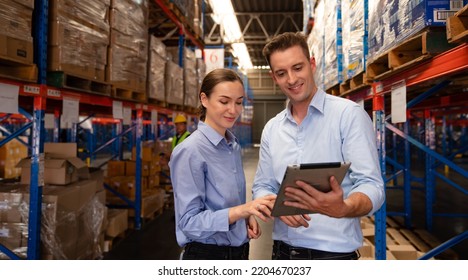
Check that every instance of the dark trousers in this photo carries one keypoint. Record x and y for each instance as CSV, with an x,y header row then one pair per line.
x,y
283,251
200,251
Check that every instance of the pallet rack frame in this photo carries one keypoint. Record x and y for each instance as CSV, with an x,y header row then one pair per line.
x,y
444,65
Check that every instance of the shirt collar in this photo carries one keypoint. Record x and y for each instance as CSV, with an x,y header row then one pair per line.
x,y
213,136
317,102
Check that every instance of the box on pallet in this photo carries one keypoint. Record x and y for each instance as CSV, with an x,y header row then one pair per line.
x,y
61,165
392,22
72,218
117,222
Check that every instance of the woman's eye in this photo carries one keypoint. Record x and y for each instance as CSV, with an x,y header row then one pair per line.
x,y
223,102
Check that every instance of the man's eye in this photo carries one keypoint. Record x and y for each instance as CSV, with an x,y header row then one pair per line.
x,y
298,68
280,74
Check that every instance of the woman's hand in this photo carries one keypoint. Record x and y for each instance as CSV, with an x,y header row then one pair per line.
x,y
260,207
253,229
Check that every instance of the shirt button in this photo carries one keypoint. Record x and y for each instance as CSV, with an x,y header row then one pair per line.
x,y
235,171
230,152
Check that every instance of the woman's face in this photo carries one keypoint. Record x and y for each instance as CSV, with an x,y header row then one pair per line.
x,y
224,105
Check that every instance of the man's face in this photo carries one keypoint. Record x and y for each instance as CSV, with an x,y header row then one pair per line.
x,y
294,74
181,127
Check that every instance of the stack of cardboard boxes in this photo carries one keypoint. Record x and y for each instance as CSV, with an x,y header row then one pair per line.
x,y
16,42
128,50
73,212
79,37
121,177
10,155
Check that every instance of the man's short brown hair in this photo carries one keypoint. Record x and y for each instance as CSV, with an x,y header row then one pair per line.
x,y
285,41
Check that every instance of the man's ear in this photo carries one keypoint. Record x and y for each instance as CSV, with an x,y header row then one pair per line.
x,y
312,64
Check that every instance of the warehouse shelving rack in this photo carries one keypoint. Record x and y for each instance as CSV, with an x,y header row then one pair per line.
x,y
442,68
37,96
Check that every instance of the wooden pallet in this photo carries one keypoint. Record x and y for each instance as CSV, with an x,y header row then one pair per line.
x,y
17,71
402,243
157,102
71,81
333,90
457,26
128,94
175,107
353,84
411,52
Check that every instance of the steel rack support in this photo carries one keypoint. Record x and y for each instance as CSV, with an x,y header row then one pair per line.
x,y
429,163
381,215
139,133
174,19
444,246
37,179
408,215
15,134
56,136
117,144
41,10
114,138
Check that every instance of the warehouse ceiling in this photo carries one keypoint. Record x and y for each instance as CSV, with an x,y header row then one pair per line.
x,y
259,21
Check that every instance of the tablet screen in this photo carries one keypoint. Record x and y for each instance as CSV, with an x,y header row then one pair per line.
x,y
315,174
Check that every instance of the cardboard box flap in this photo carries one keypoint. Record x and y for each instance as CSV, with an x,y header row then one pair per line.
x,y
77,162
61,150
54,163
25,162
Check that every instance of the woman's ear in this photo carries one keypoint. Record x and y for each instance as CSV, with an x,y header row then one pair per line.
x,y
203,99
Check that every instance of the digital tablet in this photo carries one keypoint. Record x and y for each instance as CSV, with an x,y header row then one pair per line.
x,y
315,174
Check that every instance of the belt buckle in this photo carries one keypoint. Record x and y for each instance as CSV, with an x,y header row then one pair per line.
x,y
293,252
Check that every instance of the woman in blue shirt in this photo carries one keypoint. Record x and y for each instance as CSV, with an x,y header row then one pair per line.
x,y
213,220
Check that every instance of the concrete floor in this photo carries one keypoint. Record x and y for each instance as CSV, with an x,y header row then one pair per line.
x,y
157,239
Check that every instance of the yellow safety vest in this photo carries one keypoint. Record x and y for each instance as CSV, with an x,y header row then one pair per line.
x,y
176,140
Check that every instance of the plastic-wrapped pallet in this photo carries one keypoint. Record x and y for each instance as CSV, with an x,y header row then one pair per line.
x,y
316,44
73,220
333,44
16,18
174,81
128,52
156,67
190,79
355,14
79,37
391,22
16,42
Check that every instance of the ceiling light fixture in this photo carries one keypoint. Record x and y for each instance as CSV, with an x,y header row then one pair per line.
x,y
224,15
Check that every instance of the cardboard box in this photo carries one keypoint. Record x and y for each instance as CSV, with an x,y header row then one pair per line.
x,y
10,211
118,222
12,235
115,168
16,50
130,168
61,166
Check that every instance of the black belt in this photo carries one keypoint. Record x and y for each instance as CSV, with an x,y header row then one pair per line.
x,y
310,254
227,251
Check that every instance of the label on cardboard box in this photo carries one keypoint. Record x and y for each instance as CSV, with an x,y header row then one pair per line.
x,y
4,232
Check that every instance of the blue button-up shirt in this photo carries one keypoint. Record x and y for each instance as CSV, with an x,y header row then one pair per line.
x,y
208,178
334,130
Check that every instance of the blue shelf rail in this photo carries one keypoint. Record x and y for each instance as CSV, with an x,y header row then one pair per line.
x,y
444,246
36,124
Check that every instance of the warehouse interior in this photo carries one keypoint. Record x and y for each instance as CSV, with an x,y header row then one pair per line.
x,y
90,90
